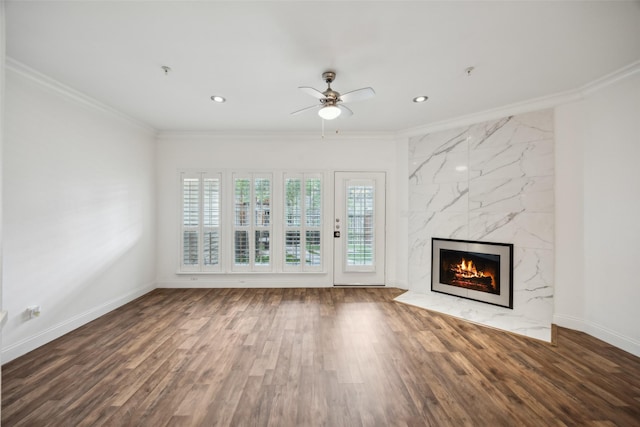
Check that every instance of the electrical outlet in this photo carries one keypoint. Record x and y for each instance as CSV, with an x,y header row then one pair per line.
x,y
33,311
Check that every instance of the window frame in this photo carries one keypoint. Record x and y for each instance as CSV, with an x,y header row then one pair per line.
x,y
201,228
251,226
226,226
303,226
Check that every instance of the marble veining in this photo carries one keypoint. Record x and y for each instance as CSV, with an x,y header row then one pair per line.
x,y
532,194
490,129
491,181
440,197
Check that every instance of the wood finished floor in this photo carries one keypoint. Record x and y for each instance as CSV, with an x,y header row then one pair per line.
x,y
312,357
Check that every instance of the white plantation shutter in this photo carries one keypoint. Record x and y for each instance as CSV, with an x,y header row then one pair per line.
x,y
302,222
313,222
262,221
252,225
190,221
242,213
234,234
200,221
211,222
360,238
292,222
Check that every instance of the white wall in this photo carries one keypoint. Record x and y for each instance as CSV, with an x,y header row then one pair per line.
x,y
569,301
79,211
2,97
310,152
2,126
597,215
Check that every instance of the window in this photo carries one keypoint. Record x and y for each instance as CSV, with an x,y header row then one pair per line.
x,y
200,221
302,222
252,222
235,233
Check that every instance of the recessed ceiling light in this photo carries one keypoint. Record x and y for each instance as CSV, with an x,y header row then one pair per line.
x,y
217,98
420,98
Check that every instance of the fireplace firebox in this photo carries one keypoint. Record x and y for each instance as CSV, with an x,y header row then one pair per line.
x,y
481,271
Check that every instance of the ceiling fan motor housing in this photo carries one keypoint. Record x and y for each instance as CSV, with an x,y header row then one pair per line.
x,y
331,96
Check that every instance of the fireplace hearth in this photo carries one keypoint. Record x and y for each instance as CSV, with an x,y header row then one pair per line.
x,y
481,271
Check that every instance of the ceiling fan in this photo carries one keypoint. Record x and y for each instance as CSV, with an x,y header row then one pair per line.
x,y
330,106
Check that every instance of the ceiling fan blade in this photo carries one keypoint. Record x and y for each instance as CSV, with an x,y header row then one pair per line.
x,y
313,92
346,112
358,95
306,108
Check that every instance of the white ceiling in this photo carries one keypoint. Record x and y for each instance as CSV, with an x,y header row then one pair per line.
x,y
257,53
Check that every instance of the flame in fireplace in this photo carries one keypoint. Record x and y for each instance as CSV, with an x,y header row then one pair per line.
x,y
466,269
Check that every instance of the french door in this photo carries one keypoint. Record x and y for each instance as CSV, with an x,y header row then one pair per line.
x,y
359,228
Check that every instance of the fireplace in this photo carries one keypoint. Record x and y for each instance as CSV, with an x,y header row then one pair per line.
x,y
481,271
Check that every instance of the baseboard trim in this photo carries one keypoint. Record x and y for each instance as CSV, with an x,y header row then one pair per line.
x,y
251,284
30,343
241,283
598,331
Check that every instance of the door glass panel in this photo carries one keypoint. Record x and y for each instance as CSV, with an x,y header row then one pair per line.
x,y
360,224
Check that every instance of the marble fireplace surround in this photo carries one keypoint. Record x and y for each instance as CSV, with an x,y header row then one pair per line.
x,y
493,182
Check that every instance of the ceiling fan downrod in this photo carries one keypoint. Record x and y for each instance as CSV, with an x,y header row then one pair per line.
x,y
331,96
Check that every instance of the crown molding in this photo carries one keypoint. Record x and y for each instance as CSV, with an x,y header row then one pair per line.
x,y
275,136
610,79
72,94
536,104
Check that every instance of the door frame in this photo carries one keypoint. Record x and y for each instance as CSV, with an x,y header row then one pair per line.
x,y
344,275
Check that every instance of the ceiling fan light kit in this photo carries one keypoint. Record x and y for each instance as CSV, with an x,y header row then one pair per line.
x,y
329,112
330,106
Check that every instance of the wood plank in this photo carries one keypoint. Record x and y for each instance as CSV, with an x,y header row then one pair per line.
x,y
312,357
